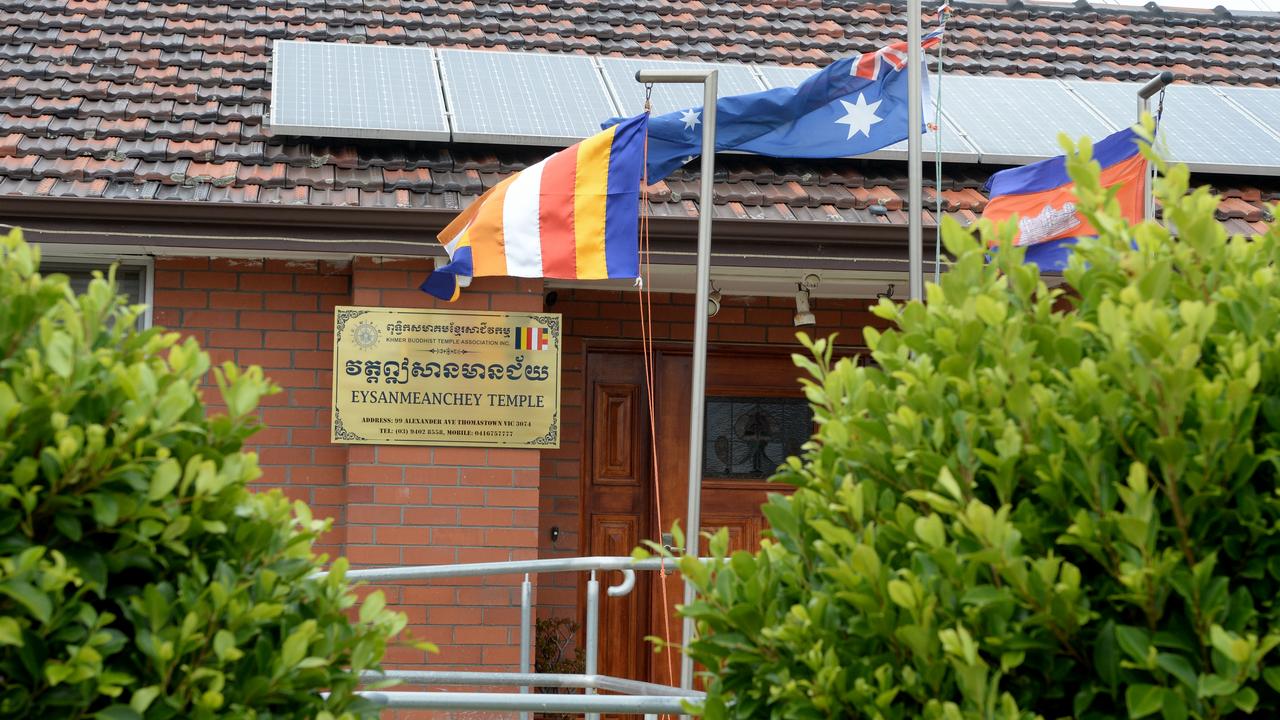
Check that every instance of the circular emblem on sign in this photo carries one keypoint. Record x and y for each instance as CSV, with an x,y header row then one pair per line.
x,y
366,335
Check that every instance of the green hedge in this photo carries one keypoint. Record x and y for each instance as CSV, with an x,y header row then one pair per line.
x,y
1042,502
139,577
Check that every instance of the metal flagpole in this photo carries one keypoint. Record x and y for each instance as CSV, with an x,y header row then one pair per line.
x,y
697,403
1153,86
915,239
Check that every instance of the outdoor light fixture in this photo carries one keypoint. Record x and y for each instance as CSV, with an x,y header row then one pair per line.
x,y
713,299
803,315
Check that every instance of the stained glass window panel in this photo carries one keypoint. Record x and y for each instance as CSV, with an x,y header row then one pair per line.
x,y
749,438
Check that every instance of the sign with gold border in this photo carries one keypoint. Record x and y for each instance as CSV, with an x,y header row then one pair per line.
x,y
446,377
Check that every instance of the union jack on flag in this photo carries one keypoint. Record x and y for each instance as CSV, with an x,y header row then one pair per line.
x,y
867,65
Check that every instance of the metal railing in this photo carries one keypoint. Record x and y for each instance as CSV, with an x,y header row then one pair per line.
x,y
635,697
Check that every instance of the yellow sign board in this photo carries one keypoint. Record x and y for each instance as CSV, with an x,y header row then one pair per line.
x,y
446,377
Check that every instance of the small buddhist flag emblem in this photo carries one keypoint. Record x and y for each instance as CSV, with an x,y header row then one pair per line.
x,y
531,338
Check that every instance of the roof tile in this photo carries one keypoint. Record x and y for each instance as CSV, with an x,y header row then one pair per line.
x,y
161,100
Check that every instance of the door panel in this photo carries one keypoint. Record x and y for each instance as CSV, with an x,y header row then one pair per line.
x,y
616,501
622,506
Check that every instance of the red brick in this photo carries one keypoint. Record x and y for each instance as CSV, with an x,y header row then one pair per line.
x,y
266,320
487,477
457,537
362,296
291,301
291,266
209,280
313,359
375,514
516,498
284,455
168,279
500,655
374,474
318,475
481,635
430,516
173,262
339,284
289,417
401,494
431,475
292,340
314,321
236,300
329,302
430,595
236,264
265,358
293,378
455,615
166,317
404,455
460,456
356,535
373,555
181,298
430,555
484,554
314,398
266,281
507,457
316,436
484,517
209,318
393,535
457,496
236,338
518,537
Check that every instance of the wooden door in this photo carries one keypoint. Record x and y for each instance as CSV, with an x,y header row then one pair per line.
x,y
750,396
741,385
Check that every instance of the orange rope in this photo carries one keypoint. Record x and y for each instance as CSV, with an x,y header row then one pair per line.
x,y
646,344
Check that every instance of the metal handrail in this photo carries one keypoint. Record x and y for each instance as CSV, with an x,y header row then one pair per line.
x,y
638,697
546,680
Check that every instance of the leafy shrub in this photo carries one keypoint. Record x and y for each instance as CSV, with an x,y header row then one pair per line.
x,y
1041,503
139,578
555,651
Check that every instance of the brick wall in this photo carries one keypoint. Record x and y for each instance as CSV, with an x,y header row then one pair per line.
x,y
610,315
277,314
391,505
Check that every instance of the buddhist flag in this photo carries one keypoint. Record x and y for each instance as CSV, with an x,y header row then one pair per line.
x,y
1043,197
575,215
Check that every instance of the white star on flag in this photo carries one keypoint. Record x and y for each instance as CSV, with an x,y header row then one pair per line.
x,y
690,118
860,117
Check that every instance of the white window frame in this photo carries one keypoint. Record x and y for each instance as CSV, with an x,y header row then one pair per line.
x,y
147,263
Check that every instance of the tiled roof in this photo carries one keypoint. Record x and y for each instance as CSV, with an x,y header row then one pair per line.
x,y
166,101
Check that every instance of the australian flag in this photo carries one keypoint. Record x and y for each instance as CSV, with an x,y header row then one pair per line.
x,y
853,106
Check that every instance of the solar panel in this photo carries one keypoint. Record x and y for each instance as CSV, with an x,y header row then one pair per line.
x,y
620,74
784,75
1263,103
1199,127
954,147
1013,120
359,91
523,98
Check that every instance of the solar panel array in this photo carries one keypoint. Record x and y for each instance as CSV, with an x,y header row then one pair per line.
x,y
362,91
392,92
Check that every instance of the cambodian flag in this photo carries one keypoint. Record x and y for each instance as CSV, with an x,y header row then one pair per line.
x,y
575,215
1043,198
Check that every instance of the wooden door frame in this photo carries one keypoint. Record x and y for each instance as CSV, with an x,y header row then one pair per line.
x,y
645,524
